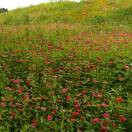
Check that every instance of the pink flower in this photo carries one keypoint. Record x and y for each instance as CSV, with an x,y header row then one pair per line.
x,y
16,81
49,117
97,95
122,119
9,89
3,99
68,98
34,123
119,100
3,105
106,115
96,120
104,105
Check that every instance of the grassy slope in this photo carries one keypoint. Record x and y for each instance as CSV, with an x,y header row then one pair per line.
x,y
68,45
69,12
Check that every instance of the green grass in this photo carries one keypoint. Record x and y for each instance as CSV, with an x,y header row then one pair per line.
x,y
64,64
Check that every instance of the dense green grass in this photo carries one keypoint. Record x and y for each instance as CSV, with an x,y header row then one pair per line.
x,y
95,12
67,67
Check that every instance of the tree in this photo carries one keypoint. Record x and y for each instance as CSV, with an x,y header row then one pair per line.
x,y
2,10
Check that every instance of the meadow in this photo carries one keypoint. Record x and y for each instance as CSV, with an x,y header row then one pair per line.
x,y
67,67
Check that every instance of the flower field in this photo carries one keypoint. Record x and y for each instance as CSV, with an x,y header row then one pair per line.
x,y
66,73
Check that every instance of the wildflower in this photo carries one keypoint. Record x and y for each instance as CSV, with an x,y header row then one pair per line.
x,y
122,119
110,62
64,90
3,105
16,81
103,129
9,89
26,98
78,109
95,81
68,98
106,115
53,112
76,103
20,90
13,114
73,119
49,117
12,105
119,100
34,123
75,113
95,120
27,82
11,99
84,92
97,95
126,67
3,99
104,105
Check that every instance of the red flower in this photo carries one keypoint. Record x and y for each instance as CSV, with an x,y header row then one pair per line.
x,y
103,129
26,98
16,81
106,115
96,120
84,92
119,100
75,113
53,112
20,90
34,123
95,81
97,95
49,117
78,109
68,98
122,119
110,62
76,104
27,82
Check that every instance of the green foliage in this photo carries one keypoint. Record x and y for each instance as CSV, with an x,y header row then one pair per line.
x,y
66,66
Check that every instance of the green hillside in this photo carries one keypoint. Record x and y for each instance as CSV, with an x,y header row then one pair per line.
x,y
94,11
67,67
